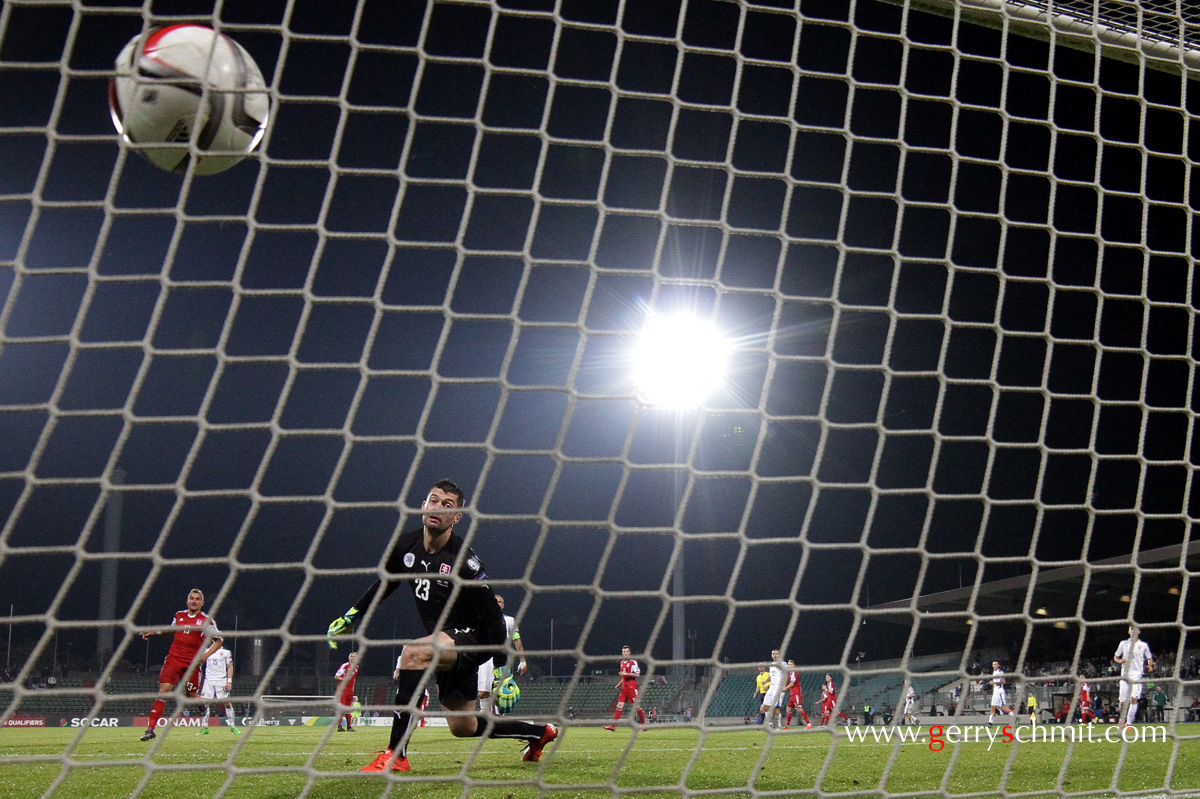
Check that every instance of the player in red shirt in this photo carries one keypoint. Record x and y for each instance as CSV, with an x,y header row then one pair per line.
x,y
795,697
191,629
628,687
829,701
1086,715
346,674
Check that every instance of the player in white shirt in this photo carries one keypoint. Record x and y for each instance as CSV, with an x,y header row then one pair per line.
x,y
487,671
218,682
1135,658
770,701
910,699
999,695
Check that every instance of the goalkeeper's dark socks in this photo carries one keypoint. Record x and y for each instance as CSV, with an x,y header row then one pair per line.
x,y
408,684
503,728
401,723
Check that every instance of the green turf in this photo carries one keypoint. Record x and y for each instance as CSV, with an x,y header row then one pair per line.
x,y
586,762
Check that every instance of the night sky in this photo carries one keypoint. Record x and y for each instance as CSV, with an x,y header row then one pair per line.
x,y
956,267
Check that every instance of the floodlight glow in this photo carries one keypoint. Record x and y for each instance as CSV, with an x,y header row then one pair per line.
x,y
679,361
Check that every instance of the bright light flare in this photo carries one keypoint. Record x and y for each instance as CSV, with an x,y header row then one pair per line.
x,y
679,361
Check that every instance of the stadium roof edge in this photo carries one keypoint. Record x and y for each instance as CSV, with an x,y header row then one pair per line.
x,y
1160,559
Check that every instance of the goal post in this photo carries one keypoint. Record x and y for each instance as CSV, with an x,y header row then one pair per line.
x,y
1161,37
860,331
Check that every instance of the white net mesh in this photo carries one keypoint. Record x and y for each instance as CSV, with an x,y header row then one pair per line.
x,y
955,262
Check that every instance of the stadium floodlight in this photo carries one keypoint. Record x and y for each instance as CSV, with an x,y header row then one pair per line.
x,y
679,360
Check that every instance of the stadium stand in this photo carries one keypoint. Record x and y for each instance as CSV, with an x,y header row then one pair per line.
x,y
733,697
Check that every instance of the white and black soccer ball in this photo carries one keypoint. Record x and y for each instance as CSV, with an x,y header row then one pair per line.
x,y
186,86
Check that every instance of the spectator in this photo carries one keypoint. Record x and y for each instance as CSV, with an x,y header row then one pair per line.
x,y
1159,700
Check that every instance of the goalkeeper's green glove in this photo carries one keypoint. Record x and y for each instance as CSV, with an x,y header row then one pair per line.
x,y
343,625
507,694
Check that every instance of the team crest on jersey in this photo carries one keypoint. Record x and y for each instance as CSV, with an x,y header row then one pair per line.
x,y
409,559
444,568
473,563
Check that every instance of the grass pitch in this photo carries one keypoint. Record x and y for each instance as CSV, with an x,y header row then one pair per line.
x,y
586,762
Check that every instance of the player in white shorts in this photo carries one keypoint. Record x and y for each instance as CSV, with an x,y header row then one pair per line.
x,y
1135,658
910,699
486,678
770,701
999,695
218,682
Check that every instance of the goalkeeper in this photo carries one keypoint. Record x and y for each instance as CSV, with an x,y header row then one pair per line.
x,y
433,559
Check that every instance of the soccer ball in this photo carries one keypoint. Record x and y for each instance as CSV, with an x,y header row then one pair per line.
x,y
184,87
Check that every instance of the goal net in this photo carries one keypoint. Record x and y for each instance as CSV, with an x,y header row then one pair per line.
x,y
945,252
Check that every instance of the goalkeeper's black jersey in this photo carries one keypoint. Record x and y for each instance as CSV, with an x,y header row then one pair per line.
x,y
475,608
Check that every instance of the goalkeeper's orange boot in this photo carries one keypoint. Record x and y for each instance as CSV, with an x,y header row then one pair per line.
x,y
534,752
380,763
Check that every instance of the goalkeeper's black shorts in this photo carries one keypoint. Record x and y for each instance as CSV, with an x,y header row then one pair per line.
x,y
462,681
